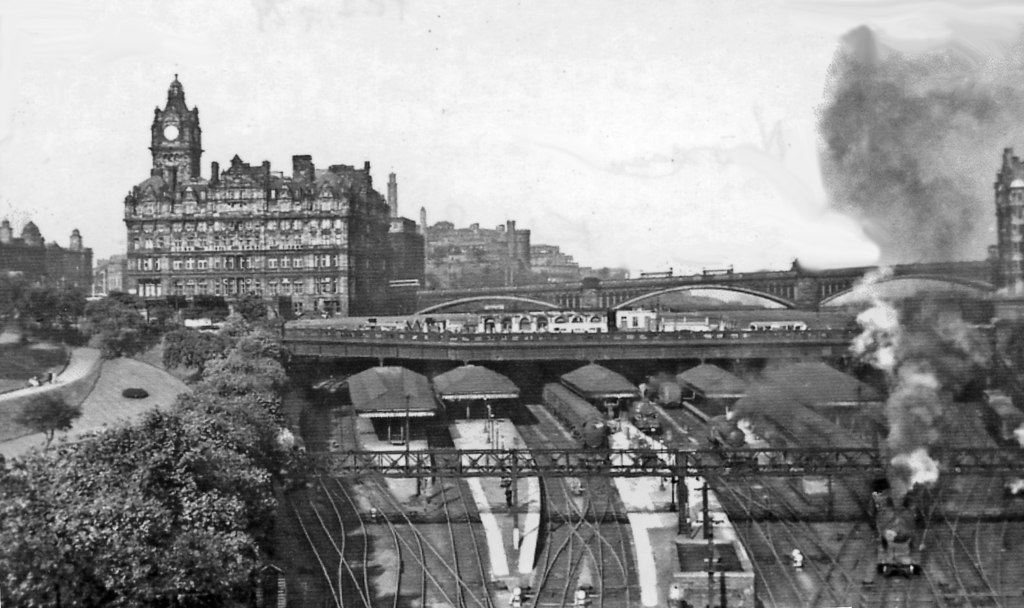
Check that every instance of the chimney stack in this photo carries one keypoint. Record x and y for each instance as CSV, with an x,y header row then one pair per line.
x,y
393,194
302,167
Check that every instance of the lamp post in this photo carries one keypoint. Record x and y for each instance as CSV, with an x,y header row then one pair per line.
x,y
407,397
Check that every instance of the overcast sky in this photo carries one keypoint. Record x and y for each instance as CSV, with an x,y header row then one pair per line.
x,y
647,135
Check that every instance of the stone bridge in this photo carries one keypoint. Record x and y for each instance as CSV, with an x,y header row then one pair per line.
x,y
797,288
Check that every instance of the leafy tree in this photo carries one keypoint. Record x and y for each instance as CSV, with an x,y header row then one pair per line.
x,y
191,348
48,414
169,512
156,514
115,326
238,374
252,308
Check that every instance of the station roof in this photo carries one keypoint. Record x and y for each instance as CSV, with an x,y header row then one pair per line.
x,y
390,392
817,384
596,382
713,381
474,382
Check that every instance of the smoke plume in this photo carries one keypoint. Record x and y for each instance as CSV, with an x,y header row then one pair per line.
x,y
929,354
911,144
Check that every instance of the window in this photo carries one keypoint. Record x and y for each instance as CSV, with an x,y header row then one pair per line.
x,y
297,286
229,263
201,287
201,263
326,285
176,265
325,261
272,263
178,288
149,243
190,264
285,262
286,287
297,263
202,226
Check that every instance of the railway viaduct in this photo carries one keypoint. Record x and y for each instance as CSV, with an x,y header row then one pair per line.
x,y
796,288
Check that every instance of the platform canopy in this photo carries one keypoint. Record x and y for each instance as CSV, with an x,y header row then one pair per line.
x,y
713,382
817,384
474,382
596,382
391,392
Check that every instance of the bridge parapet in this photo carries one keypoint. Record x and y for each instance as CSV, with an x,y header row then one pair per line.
x,y
330,342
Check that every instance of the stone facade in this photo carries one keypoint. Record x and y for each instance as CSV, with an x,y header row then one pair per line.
x,y
460,258
45,263
317,238
108,275
1009,251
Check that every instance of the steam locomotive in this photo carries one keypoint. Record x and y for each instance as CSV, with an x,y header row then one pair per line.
x,y
897,526
584,422
725,433
645,418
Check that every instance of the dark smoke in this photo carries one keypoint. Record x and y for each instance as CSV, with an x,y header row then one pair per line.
x,y
912,144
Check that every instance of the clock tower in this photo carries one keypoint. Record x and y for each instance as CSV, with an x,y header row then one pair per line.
x,y
177,138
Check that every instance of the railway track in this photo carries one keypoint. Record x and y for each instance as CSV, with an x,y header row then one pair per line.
x,y
590,543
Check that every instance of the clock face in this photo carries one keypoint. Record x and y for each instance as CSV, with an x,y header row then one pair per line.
x,y
171,132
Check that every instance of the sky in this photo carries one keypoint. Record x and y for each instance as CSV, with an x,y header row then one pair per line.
x,y
646,135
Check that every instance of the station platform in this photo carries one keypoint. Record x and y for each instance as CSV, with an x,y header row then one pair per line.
x,y
510,562
648,501
404,490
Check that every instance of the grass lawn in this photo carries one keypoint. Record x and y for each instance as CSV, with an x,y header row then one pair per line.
x,y
20,362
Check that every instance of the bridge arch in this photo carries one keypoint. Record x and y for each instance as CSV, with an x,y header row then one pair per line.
x,y
976,284
460,301
704,287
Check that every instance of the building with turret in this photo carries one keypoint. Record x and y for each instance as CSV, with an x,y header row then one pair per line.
x,y
314,240
31,257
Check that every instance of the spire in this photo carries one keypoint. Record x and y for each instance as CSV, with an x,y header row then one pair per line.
x,y
176,96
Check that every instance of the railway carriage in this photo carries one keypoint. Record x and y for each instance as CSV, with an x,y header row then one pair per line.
x,y
580,418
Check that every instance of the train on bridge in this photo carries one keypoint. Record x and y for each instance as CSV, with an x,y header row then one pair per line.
x,y
558,322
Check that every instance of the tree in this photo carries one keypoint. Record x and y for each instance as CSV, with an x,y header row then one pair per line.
x,y
48,414
252,308
115,326
191,348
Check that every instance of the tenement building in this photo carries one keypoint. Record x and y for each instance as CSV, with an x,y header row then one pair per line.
x,y
315,240
42,263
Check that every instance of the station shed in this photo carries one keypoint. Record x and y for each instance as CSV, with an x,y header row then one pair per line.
x,y
474,385
602,387
391,397
842,399
711,388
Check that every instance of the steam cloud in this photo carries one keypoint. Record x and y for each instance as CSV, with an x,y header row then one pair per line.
x,y
911,144
928,353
